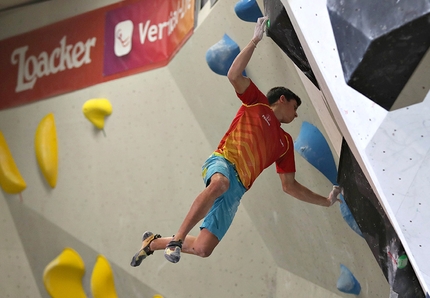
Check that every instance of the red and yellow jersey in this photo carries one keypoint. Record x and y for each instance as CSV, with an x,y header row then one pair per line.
x,y
255,139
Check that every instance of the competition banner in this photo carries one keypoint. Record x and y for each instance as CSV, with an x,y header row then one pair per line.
x,y
91,48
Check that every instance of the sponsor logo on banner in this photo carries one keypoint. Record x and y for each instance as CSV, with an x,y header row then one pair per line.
x,y
123,35
65,56
159,27
52,60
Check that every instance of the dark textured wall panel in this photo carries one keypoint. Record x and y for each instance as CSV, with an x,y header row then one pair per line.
x,y
376,227
380,44
282,32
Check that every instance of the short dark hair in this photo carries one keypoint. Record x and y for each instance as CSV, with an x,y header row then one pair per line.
x,y
276,92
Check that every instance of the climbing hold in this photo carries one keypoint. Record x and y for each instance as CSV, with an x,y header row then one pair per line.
x,y
313,147
46,148
11,180
102,280
348,217
248,10
62,277
402,261
370,37
95,110
221,55
347,283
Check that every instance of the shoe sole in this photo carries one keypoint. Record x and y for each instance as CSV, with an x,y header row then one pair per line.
x,y
142,254
172,256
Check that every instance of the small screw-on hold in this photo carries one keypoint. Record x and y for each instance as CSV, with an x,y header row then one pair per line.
x,y
402,261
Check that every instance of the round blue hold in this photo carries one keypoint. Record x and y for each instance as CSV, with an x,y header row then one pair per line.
x,y
248,10
347,283
221,55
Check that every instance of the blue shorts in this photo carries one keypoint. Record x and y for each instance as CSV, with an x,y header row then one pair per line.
x,y
220,216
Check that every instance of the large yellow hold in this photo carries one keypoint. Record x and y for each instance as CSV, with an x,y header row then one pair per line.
x,y
46,147
62,277
102,281
11,180
96,110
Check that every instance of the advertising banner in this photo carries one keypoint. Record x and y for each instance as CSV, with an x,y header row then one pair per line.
x,y
98,46
145,34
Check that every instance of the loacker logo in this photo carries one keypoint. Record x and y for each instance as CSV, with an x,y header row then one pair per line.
x,y
66,56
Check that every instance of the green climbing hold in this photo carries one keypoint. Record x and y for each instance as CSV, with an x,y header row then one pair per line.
x,y
402,261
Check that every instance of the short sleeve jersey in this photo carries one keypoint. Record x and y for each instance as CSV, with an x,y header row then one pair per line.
x,y
255,139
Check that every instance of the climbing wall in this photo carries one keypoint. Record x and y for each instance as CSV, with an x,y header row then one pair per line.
x,y
376,228
142,170
377,138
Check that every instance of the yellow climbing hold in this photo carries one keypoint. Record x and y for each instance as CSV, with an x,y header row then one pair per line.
x,y
11,180
102,281
62,277
96,110
46,147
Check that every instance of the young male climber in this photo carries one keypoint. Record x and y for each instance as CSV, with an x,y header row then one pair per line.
x,y
254,141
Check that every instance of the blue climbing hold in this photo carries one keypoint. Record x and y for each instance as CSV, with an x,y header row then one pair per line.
x,y
221,55
348,217
347,283
248,10
313,147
